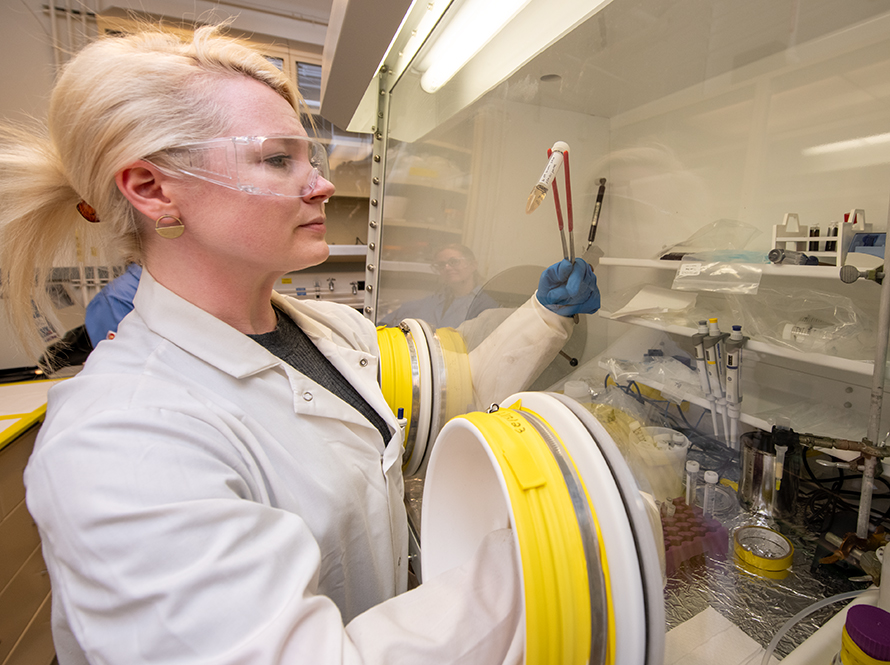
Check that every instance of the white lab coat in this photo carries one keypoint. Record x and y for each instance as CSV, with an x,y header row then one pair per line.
x,y
199,500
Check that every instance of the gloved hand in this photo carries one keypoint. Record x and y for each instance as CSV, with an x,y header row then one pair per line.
x,y
569,289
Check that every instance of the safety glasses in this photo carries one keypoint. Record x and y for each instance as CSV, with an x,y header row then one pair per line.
x,y
455,262
267,165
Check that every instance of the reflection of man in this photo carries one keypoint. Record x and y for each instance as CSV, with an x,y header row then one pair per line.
x,y
459,297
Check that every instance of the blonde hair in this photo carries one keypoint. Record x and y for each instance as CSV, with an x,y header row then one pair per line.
x,y
120,99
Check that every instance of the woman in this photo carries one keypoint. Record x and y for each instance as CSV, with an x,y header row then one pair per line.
x,y
221,483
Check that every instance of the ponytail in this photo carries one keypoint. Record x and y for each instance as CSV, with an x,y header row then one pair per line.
x,y
38,220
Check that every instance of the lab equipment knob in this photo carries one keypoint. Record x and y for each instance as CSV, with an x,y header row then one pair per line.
x,y
850,274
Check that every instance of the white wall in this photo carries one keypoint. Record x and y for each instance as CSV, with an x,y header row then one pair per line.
x,y
26,47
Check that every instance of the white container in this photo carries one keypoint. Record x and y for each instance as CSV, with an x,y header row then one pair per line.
x,y
666,463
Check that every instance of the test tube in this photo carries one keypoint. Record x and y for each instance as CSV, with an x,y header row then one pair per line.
x,y
711,479
691,481
539,191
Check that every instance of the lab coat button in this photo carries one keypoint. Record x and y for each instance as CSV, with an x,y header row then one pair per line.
x,y
307,396
363,362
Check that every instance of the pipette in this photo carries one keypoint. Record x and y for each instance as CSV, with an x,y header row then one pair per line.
x,y
698,341
714,354
734,382
596,212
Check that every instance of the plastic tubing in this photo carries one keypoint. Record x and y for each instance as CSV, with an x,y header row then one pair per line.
x,y
884,589
788,625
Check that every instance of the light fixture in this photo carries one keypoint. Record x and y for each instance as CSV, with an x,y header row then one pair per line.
x,y
472,27
850,144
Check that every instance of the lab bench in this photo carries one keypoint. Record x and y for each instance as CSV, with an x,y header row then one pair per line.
x,y
25,633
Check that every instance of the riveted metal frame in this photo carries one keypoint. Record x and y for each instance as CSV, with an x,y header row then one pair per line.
x,y
375,210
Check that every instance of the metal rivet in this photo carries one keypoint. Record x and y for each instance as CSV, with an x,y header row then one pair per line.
x,y
373,223
307,396
369,310
369,287
370,267
376,158
848,389
374,202
379,114
372,246
848,405
363,362
378,135
375,180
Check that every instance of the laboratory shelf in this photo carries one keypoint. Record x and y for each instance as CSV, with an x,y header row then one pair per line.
x,y
407,266
818,359
778,270
346,253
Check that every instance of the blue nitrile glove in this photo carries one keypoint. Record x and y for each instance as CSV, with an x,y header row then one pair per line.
x,y
569,289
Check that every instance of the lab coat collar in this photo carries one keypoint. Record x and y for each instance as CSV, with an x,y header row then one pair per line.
x,y
198,332
217,343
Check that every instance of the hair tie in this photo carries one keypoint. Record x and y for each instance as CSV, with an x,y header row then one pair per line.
x,y
88,212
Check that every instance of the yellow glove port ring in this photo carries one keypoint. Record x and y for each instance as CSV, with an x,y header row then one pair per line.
x,y
400,382
602,625
489,471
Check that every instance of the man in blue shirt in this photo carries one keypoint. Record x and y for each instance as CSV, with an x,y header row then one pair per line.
x,y
112,304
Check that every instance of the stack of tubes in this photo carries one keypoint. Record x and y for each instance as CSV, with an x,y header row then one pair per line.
x,y
718,357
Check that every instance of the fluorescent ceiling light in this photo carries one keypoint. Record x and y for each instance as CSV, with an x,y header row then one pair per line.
x,y
851,144
471,28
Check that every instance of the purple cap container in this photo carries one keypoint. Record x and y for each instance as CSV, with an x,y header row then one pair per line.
x,y
869,628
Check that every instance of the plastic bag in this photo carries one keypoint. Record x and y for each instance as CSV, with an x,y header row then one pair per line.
x,y
664,366
807,321
724,234
655,459
717,276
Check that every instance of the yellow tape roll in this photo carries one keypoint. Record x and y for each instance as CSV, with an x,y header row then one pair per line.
x,y
557,598
762,548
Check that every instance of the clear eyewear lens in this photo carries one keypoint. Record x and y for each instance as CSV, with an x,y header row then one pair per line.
x,y
274,166
439,266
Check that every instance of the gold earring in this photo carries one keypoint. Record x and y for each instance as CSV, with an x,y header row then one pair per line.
x,y
171,231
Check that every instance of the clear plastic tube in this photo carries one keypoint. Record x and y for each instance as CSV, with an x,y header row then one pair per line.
x,y
818,605
691,481
711,479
